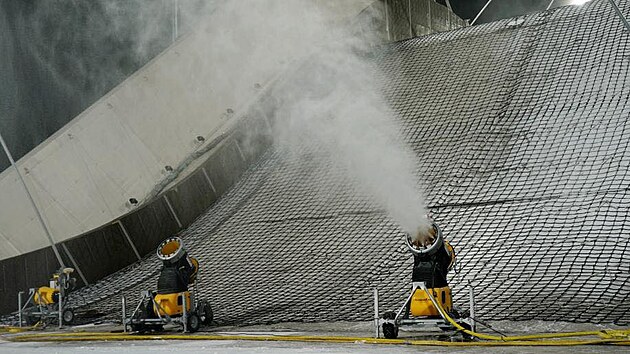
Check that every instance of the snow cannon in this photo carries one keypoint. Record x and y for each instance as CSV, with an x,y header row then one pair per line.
x,y
48,303
175,300
433,258
425,243
430,297
179,270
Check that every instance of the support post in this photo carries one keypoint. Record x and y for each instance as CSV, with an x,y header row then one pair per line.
x,y
409,18
74,263
124,314
620,14
389,35
61,299
184,312
20,307
205,173
170,207
144,297
550,4
414,287
240,152
480,12
175,19
471,300
423,286
133,247
30,197
267,123
376,315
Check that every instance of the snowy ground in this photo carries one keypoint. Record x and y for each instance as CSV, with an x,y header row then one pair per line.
x,y
323,329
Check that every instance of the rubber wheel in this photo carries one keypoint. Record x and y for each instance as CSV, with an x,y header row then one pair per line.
x,y
31,320
67,316
205,313
140,315
390,330
138,327
194,322
467,337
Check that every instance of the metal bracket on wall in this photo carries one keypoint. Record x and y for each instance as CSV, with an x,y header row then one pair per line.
x,y
409,18
480,12
620,14
175,19
74,263
389,35
550,4
133,247
205,173
170,207
240,152
267,123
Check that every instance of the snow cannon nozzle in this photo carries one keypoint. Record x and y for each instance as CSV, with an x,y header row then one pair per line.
x,y
425,243
171,250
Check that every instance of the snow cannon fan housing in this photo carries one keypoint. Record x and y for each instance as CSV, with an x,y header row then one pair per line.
x,y
178,269
437,241
172,302
433,259
171,250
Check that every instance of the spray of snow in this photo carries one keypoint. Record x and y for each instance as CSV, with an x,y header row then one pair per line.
x,y
334,101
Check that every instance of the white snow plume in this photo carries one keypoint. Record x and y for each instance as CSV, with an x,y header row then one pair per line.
x,y
334,101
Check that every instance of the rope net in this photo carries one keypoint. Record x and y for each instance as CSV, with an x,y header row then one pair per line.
x,y
520,128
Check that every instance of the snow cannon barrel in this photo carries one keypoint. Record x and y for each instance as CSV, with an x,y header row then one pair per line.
x,y
433,257
427,243
171,250
178,269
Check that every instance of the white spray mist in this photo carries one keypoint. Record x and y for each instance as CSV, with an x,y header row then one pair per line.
x,y
336,103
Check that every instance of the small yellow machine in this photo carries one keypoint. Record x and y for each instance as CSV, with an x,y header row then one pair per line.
x,y
434,257
47,303
173,301
421,304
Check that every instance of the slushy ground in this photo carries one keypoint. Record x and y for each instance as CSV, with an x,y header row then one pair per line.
x,y
350,329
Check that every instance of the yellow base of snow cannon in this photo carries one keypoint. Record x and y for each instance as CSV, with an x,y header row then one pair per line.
x,y
421,304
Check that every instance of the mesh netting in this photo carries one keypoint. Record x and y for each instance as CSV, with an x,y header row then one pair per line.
x,y
520,126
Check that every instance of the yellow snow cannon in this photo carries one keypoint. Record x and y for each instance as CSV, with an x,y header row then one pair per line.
x,y
174,301
433,258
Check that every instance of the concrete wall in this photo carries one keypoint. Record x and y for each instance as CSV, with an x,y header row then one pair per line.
x,y
83,176
408,19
